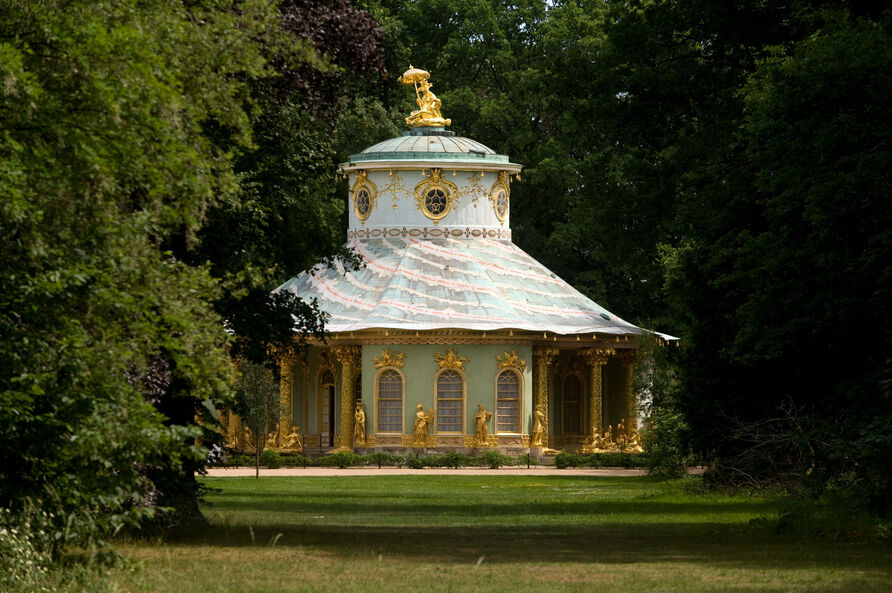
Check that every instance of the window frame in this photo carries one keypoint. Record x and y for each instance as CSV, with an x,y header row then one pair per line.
x,y
377,412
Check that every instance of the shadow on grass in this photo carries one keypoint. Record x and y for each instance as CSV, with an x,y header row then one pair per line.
x,y
738,546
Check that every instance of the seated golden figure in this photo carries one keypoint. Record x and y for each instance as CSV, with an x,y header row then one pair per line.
x,y
428,112
293,441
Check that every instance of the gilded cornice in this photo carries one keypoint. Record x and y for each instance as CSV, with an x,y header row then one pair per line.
x,y
511,360
449,361
390,359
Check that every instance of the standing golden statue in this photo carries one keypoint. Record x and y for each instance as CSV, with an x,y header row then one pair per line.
x,y
422,424
481,436
359,426
428,112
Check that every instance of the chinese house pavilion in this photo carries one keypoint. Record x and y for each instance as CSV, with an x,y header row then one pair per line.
x,y
451,337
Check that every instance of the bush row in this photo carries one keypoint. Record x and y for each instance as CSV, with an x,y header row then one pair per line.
x,y
273,459
628,460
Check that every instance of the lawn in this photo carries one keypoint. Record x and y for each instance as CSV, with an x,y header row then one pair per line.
x,y
492,534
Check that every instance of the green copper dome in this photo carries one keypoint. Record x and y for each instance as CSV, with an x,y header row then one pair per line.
x,y
430,144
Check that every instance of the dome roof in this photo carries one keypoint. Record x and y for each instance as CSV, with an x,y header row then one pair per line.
x,y
432,144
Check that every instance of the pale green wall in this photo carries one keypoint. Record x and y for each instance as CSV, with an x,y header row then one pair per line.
x,y
420,368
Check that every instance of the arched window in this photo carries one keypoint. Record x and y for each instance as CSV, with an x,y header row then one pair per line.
x,y
390,401
357,387
572,409
508,402
450,393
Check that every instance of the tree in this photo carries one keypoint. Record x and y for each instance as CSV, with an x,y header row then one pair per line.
x,y
257,393
107,152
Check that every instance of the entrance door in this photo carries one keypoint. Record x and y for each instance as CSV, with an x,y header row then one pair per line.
x,y
327,405
331,415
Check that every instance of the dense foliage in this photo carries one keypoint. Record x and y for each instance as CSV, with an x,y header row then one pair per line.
x,y
717,171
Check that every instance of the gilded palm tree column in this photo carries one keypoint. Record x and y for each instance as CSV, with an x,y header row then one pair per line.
x,y
350,358
543,357
626,358
595,358
286,389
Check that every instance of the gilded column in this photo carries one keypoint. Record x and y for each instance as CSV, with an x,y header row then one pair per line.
x,y
627,358
350,358
596,358
543,357
286,391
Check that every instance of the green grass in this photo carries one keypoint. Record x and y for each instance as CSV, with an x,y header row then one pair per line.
x,y
493,533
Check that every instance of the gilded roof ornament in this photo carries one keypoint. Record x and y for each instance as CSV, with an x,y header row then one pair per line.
x,y
449,360
390,359
428,112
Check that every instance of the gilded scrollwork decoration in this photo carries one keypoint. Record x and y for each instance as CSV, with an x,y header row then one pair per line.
x,y
500,195
390,359
473,188
435,196
365,196
449,360
395,187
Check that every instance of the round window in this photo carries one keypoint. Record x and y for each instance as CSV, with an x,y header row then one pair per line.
x,y
435,202
363,202
502,204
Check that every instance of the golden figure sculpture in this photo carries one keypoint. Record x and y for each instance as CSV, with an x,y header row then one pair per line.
x,y
248,441
422,424
428,112
480,425
359,426
271,440
538,439
292,441
634,444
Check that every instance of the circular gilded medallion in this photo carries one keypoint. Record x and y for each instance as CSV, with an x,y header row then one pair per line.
x,y
365,195
500,195
435,196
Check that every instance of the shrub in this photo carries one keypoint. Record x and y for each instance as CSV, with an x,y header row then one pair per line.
x,y
296,459
563,460
380,459
341,460
664,444
414,462
495,460
271,459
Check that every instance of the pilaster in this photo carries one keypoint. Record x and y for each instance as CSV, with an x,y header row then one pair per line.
x,y
595,358
350,358
543,358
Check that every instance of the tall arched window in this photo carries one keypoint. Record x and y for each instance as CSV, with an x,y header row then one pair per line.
x,y
572,408
450,394
508,402
390,401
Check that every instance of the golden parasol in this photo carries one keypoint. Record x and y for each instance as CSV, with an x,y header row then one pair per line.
x,y
413,76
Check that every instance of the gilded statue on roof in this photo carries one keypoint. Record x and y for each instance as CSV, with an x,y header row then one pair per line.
x,y
428,112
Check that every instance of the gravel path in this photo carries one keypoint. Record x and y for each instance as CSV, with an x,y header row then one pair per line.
x,y
235,472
